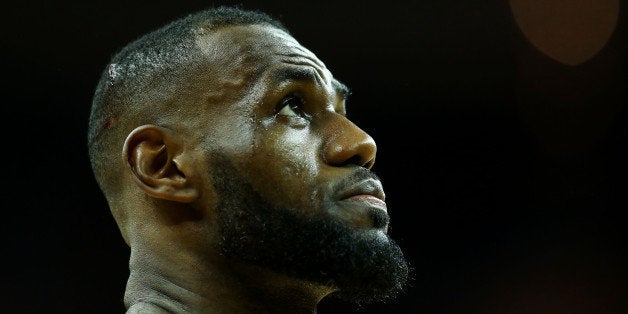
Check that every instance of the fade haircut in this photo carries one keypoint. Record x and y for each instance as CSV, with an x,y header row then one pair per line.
x,y
146,72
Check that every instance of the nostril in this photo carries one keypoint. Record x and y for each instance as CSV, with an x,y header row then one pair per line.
x,y
355,160
369,163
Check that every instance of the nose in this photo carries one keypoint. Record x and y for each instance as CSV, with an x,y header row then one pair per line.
x,y
347,144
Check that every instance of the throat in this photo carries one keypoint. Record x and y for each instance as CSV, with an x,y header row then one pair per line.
x,y
228,287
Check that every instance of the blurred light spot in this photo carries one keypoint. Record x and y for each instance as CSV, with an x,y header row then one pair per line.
x,y
569,31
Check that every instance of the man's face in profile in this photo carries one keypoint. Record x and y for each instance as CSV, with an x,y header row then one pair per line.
x,y
288,169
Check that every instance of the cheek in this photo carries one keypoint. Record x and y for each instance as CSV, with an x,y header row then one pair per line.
x,y
299,154
288,166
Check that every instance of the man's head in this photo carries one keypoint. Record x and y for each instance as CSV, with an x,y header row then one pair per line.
x,y
220,136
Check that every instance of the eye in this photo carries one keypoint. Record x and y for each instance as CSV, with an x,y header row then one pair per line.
x,y
292,106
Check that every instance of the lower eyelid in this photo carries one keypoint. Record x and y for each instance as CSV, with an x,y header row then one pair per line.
x,y
292,121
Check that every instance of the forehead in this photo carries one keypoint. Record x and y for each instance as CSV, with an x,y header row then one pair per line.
x,y
245,38
255,48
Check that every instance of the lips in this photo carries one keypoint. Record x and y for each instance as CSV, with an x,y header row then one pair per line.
x,y
369,192
366,198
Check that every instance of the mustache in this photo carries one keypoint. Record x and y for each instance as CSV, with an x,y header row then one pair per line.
x,y
359,175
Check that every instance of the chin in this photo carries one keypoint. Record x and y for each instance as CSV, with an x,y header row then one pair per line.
x,y
363,263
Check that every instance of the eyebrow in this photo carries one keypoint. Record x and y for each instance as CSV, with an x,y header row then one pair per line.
x,y
341,88
309,74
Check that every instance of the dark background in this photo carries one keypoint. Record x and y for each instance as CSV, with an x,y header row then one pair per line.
x,y
505,170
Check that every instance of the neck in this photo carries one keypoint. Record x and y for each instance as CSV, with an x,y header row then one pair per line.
x,y
214,286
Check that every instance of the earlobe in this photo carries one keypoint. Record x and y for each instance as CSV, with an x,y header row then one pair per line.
x,y
153,153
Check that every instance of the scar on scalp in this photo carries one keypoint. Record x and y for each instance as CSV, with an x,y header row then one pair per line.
x,y
109,123
113,71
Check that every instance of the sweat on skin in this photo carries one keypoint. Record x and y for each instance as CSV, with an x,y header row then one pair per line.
x,y
241,186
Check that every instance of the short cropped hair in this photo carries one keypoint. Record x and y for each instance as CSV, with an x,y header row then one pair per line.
x,y
143,71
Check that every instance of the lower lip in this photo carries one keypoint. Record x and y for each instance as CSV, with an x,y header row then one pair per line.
x,y
370,199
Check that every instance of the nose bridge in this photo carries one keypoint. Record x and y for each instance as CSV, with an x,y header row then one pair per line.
x,y
346,144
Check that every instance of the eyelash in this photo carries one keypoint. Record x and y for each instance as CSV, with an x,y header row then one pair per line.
x,y
297,109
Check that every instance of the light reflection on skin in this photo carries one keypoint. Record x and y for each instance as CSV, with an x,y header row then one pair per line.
x,y
260,186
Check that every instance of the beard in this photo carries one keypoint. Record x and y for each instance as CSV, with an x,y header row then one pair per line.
x,y
366,266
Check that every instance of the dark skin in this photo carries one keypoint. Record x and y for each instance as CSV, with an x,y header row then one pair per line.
x,y
276,112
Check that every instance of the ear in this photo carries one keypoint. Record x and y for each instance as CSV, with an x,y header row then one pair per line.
x,y
153,155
